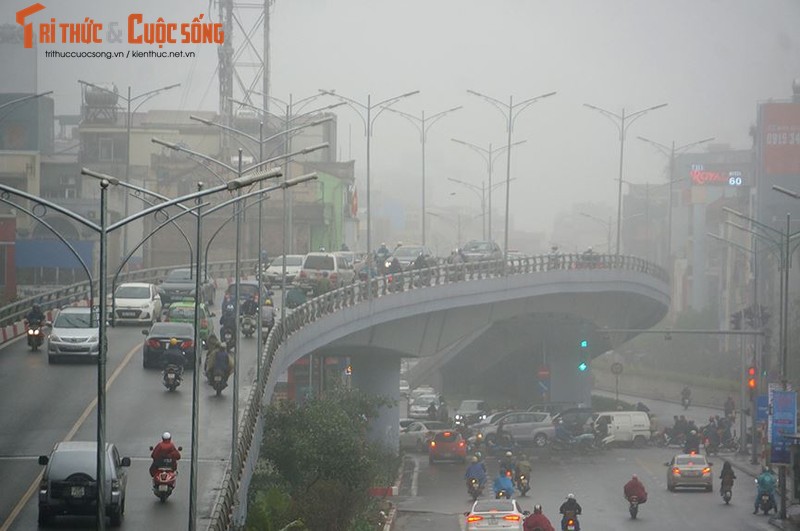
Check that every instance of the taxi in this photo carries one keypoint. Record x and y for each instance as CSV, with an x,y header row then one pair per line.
x,y
183,312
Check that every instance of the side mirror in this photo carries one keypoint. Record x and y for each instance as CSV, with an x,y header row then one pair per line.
x,y
151,448
145,332
43,460
666,464
526,513
180,448
126,461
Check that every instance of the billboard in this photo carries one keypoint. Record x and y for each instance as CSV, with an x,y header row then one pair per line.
x,y
782,421
779,126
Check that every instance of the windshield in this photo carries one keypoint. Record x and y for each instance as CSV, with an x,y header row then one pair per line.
x,y
319,262
486,506
695,460
471,405
408,252
133,292
291,261
179,275
72,320
182,312
172,329
424,400
478,247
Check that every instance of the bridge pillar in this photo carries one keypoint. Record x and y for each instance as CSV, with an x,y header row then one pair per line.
x,y
567,383
380,375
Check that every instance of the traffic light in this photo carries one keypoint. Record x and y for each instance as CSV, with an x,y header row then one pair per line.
x,y
752,378
584,356
582,366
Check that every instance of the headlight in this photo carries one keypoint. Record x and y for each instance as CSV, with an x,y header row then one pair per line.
x,y
145,306
54,337
93,339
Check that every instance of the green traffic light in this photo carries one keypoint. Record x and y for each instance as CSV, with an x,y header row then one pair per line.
x,y
583,366
584,344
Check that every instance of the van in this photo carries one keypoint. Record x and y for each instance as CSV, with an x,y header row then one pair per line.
x,y
626,426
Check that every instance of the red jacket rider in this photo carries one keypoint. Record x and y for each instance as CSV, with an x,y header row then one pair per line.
x,y
635,488
537,520
164,450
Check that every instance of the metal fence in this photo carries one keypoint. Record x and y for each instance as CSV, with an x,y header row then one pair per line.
x,y
230,509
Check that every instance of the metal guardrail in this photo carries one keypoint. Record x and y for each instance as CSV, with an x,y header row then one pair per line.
x,y
79,292
229,510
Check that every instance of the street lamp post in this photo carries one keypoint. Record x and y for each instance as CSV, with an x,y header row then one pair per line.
x,y
481,191
128,100
22,100
423,124
671,151
510,112
619,121
489,157
606,224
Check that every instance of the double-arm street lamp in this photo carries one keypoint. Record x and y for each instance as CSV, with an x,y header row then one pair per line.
x,y
606,224
622,122
422,124
129,99
671,151
481,191
489,156
23,99
510,112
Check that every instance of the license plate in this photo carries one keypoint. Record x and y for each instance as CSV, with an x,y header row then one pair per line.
x,y
217,378
163,488
76,492
127,314
692,473
171,376
492,521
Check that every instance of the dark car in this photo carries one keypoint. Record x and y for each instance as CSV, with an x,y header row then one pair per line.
x,y
408,254
69,484
164,336
479,251
248,291
180,284
471,412
577,420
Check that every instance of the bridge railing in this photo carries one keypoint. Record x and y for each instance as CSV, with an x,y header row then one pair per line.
x,y
230,509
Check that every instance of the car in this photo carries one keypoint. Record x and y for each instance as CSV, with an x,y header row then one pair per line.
x,y
160,338
479,251
471,412
316,266
419,433
527,428
75,334
577,420
490,420
274,271
689,470
447,445
136,302
405,423
180,283
419,406
183,312
495,515
403,387
554,408
422,390
69,483
626,426
407,254
248,290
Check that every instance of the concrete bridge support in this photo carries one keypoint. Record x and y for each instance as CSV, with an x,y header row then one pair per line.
x,y
567,383
380,375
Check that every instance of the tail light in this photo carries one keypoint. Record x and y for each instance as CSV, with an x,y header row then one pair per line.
x,y
153,343
433,444
676,471
692,453
447,434
474,518
187,345
570,522
508,473
461,444
512,517
706,471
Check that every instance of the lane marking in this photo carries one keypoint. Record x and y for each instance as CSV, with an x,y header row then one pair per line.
x,y
70,434
414,477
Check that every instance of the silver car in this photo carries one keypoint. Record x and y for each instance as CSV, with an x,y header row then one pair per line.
x,y
496,515
526,427
689,470
74,334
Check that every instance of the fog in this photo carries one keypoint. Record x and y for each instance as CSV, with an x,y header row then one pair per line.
x,y
710,60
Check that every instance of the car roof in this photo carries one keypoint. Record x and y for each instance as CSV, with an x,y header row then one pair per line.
x,y
75,309
78,446
175,328
320,254
489,505
135,285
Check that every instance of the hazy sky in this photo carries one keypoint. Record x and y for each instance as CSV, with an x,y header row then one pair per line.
x,y
711,60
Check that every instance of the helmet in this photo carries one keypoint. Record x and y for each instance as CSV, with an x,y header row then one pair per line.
x,y
634,476
693,432
509,454
37,306
537,509
570,496
479,455
474,459
322,249
166,436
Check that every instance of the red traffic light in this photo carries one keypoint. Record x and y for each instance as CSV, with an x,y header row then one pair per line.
x,y
751,377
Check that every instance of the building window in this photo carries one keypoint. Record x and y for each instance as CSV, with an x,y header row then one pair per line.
x,y
106,149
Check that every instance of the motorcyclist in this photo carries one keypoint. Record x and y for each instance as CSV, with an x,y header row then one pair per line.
x,y
727,476
216,358
686,394
503,483
432,411
766,484
382,251
730,407
250,307
562,433
35,316
692,443
523,468
711,433
507,463
570,509
164,450
295,297
601,427
634,487
537,520
443,413
174,356
476,470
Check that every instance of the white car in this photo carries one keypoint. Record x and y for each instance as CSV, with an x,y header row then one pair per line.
x,y
137,302
419,407
75,334
496,515
272,274
417,435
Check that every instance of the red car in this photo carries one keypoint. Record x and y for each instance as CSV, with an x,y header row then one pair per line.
x,y
447,445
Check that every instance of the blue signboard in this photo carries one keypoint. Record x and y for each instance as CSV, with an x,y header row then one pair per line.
x,y
784,422
762,408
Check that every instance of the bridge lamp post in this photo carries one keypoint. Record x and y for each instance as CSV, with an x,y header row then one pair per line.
x,y
144,96
364,112
510,112
622,122
489,156
481,191
423,124
606,224
671,151
286,219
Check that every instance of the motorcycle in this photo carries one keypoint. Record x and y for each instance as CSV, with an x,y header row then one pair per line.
x,y
765,503
219,382
633,507
602,443
711,447
726,491
248,325
228,336
474,488
35,336
172,377
165,477
523,484
502,494
570,522
686,402
581,443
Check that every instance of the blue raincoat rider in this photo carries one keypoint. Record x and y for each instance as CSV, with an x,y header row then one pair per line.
x,y
766,484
